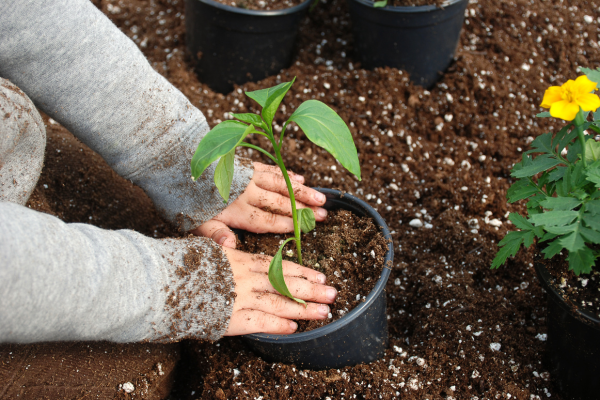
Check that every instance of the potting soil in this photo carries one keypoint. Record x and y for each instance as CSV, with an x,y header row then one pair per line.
x,y
436,165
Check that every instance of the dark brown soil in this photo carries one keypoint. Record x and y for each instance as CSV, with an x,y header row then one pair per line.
x,y
349,250
458,329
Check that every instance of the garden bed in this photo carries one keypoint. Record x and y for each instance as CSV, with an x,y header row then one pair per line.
x,y
437,165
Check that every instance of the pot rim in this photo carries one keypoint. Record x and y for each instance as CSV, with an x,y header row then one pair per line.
x,y
556,292
256,13
349,317
409,9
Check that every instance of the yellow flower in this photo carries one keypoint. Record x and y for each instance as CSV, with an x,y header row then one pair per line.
x,y
564,101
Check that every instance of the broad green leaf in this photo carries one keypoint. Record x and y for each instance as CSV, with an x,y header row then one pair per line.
x,y
553,218
552,249
261,96
573,241
590,235
270,99
224,174
592,151
520,190
509,246
251,118
306,219
276,274
545,114
519,221
592,74
326,129
539,164
560,203
219,141
581,261
379,4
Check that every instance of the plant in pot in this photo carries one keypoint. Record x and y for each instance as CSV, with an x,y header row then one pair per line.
x,y
236,42
561,186
419,39
361,335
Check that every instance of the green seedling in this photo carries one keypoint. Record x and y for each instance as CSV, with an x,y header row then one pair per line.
x,y
320,124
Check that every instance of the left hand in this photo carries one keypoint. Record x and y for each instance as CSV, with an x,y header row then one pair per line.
x,y
263,207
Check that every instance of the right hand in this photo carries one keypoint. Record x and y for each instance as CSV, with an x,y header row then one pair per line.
x,y
259,308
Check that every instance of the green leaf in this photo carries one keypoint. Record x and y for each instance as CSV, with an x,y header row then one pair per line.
x,y
556,174
590,235
592,151
306,218
519,221
542,144
219,141
224,174
581,261
381,3
591,220
276,274
270,98
546,236
520,190
544,115
573,241
563,229
252,118
509,246
593,207
554,218
596,116
593,173
574,150
552,249
326,129
539,164
592,74
564,137
560,203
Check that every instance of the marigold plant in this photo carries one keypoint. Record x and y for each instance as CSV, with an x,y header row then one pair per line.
x,y
561,182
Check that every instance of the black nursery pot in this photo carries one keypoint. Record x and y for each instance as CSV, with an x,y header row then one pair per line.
x,y
421,40
573,343
232,45
361,336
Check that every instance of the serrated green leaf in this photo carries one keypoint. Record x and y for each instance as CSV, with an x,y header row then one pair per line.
x,y
563,138
593,173
509,246
564,187
592,151
545,236
545,114
556,174
553,218
306,219
590,235
539,164
542,144
219,141
520,190
592,74
560,203
591,220
520,221
593,207
528,238
573,241
251,118
574,150
581,261
224,174
276,274
552,249
562,230
326,129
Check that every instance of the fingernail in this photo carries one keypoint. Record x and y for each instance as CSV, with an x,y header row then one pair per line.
x,y
293,325
321,212
331,294
320,197
321,278
323,310
222,240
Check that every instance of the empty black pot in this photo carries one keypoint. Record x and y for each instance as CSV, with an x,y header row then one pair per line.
x,y
421,40
361,336
233,45
573,343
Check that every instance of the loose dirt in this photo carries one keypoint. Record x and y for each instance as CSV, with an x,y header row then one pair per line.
x,y
458,330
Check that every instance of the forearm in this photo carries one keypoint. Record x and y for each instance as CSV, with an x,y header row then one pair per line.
x,y
77,282
81,70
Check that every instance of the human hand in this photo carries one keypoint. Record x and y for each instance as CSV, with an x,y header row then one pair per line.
x,y
259,308
267,191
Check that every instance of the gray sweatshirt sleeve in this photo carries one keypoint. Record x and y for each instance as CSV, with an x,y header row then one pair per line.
x,y
63,281
80,69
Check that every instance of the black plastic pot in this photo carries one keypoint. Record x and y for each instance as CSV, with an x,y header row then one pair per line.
x,y
420,40
233,45
361,336
573,343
